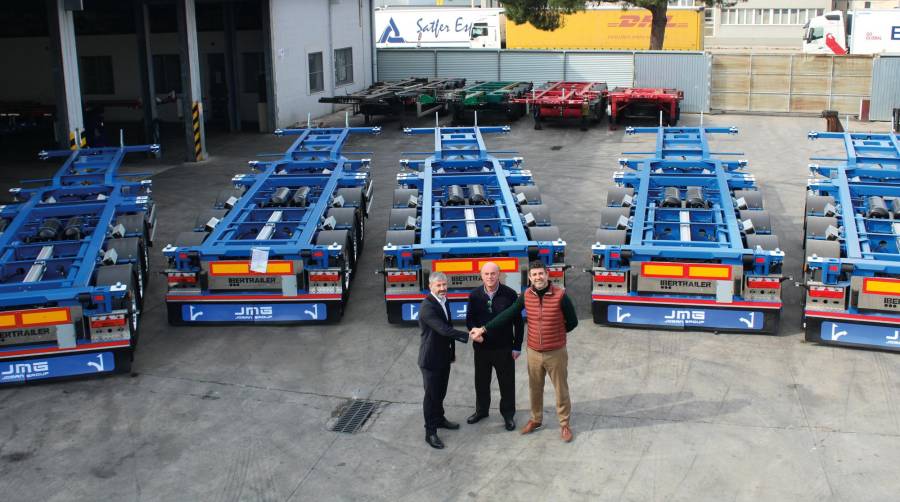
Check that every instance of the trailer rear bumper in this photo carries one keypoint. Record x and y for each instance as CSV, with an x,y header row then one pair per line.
x,y
20,365
854,330
686,314
254,309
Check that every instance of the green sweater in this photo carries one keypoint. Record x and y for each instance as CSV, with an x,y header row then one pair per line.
x,y
515,309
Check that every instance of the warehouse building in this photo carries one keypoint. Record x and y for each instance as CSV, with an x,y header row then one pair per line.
x,y
230,65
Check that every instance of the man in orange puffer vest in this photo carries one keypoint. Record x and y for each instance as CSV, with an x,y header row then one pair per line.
x,y
550,314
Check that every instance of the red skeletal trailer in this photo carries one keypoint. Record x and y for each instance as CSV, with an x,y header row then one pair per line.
x,y
628,102
567,100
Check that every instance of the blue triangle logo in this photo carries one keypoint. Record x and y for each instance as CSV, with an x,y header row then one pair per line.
x,y
391,34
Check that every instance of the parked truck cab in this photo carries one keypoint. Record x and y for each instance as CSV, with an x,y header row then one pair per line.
x,y
825,34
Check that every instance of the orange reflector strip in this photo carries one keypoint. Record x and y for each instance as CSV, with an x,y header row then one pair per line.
x,y
686,270
243,268
36,317
7,320
720,272
881,286
662,269
453,266
473,265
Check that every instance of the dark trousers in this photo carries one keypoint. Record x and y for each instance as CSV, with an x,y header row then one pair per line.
x,y
502,362
435,390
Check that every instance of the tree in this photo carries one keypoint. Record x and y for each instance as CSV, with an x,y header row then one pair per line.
x,y
547,14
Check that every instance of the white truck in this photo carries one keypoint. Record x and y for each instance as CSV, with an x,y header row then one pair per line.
x,y
428,27
859,32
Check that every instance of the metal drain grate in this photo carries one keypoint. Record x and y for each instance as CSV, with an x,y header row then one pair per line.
x,y
354,416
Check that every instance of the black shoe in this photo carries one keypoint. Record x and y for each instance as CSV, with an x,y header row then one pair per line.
x,y
434,441
446,424
510,423
475,417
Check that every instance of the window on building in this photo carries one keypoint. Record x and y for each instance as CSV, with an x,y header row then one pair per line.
x,y
709,23
166,73
96,75
768,16
316,73
343,66
252,67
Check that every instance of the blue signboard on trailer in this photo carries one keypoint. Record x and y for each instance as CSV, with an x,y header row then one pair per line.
x,y
55,367
256,312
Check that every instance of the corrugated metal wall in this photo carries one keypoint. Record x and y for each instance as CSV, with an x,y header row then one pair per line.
x,y
469,64
686,71
528,66
616,69
398,64
885,87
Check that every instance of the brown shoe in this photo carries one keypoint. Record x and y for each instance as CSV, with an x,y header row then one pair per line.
x,y
530,427
566,433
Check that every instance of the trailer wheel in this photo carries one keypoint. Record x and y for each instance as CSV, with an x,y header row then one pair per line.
x,y
823,248
759,218
611,237
817,226
768,242
539,212
348,217
537,121
815,204
609,216
402,196
399,218
753,198
342,237
400,237
616,195
531,192
549,233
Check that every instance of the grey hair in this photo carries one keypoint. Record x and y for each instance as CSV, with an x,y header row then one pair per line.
x,y
436,276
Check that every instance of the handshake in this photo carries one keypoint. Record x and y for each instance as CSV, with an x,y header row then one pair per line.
x,y
477,334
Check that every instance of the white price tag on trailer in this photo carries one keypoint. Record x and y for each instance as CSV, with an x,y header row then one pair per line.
x,y
259,260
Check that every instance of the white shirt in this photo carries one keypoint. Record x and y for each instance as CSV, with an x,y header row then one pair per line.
x,y
443,304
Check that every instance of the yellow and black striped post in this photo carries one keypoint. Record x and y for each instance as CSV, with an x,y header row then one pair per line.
x,y
195,116
73,145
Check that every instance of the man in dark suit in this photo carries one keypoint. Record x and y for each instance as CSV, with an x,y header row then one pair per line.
x,y
436,352
499,350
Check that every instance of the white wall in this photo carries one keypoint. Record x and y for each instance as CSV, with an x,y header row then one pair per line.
x,y
300,28
30,57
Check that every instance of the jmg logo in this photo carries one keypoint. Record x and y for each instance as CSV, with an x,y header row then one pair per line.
x,y
254,311
686,315
17,371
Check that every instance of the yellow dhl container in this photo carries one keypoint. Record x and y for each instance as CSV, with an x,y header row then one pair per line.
x,y
611,29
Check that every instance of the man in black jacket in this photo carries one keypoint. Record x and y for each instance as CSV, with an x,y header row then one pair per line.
x,y
436,352
499,350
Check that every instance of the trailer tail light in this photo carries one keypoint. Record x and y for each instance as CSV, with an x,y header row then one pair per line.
x,y
324,277
557,275
763,283
109,327
402,277
176,279
609,277
666,270
556,272
325,281
108,321
826,292
880,286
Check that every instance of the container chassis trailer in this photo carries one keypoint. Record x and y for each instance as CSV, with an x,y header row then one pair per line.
x,y
491,97
283,245
644,103
685,242
851,275
395,98
582,101
74,265
457,209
